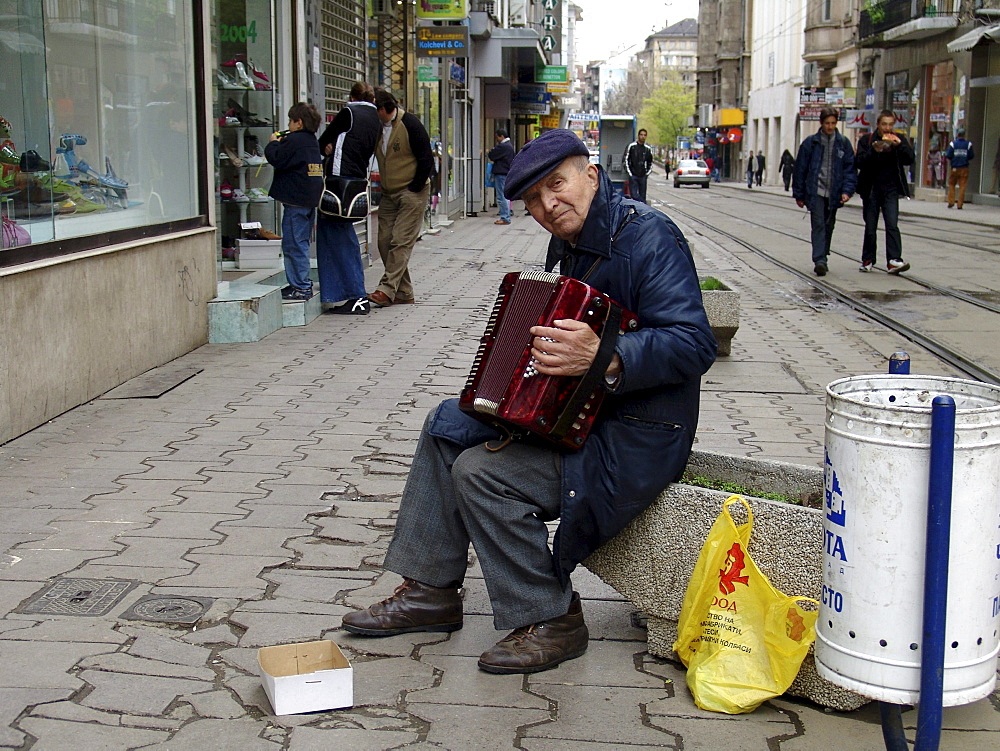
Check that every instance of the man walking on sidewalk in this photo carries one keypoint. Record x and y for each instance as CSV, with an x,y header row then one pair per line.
x,y
823,181
501,155
761,162
459,491
405,164
638,163
960,153
881,181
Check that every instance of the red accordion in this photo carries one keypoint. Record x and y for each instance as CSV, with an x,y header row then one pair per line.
x,y
504,388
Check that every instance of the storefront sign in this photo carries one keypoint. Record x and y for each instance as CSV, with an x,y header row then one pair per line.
x,y
552,39
557,88
457,73
859,119
530,99
442,41
550,121
551,74
443,10
427,73
938,117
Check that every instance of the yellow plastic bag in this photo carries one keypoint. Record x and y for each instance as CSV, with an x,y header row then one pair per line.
x,y
742,640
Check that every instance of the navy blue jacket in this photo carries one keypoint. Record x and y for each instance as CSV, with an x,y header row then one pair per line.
x,y
843,179
643,435
960,153
502,155
298,169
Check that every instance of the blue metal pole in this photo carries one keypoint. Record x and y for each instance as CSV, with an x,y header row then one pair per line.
x,y
936,572
892,714
899,364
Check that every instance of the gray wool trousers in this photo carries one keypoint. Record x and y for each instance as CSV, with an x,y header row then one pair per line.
x,y
500,502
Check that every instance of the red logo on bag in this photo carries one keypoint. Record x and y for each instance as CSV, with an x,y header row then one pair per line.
x,y
795,627
730,577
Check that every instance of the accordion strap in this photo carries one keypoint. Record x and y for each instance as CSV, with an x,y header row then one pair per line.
x,y
592,379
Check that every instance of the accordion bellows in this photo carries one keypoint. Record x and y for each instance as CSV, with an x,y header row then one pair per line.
x,y
505,389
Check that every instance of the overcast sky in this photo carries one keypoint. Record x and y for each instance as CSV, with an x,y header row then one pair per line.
x,y
610,26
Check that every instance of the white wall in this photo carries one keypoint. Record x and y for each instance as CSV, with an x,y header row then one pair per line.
x,y
775,77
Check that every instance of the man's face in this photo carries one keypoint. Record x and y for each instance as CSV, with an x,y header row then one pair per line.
x,y
561,200
642,136
885,125
829,125
385,117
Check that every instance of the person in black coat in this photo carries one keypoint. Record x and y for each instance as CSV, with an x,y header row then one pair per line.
x,y
761,162
459,491
880,160
501,155
348,145
824,180
787,166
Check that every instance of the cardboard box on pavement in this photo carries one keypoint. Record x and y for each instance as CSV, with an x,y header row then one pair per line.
x,y
306,677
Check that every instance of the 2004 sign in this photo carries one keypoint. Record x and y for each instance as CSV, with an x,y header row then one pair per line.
x,y
234,33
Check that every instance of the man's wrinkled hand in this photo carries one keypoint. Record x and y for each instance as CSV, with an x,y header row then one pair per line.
x,y
567,348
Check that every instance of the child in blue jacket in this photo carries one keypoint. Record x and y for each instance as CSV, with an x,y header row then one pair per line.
x,y
298,184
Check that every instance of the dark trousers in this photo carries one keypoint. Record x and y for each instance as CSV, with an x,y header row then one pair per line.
x,y
823,216
759,175
637,187
884,201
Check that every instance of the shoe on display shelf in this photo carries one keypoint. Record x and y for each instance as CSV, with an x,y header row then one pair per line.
x,y
231,155
239,196
249,64
252,160
228,82
225,191
257,195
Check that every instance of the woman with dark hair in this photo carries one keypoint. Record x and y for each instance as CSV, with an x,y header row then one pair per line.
x,y
786,167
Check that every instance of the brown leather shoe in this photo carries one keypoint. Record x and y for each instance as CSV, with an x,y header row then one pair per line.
x,y
401,301
413,607
380,298
540,646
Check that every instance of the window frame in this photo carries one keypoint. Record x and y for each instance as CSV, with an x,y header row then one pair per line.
x,y
54,249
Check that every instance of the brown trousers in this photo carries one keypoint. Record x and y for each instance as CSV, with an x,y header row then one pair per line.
x,y
400,218
959,176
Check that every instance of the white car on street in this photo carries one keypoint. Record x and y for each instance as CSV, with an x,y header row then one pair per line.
x,y
692,172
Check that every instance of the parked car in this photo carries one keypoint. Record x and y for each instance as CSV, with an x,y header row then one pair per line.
x,y
692,172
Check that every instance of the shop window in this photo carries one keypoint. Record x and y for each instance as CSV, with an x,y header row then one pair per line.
x,y
990,172
936,126
98,117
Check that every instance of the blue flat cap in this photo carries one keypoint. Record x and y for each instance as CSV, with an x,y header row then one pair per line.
x,y
538,158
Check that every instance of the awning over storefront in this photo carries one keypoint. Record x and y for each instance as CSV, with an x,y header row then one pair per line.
x,y
978,35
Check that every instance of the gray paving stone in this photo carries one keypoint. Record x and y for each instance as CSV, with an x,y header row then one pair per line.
x,y
288,605
314,739
212,635
224,571
26,564
156,646
605,663
136,694
264,516
242,540
45,664
67,710
184,525
233,482
365,509
127,664
152,552
316,586
486,728
344,530
13,701
211,503
58,735
463,683
381,682
13,593
267,629
220,735
35,628
217,704
316,554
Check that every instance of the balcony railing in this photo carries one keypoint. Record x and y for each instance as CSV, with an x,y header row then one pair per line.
x,y
878,16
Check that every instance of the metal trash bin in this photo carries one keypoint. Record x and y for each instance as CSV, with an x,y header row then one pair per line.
x,y
877,468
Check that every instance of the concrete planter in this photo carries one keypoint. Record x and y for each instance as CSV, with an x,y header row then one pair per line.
x,y
723,309
651,560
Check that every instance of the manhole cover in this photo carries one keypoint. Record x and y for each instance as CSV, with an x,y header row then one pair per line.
x,y
168,609
91,597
